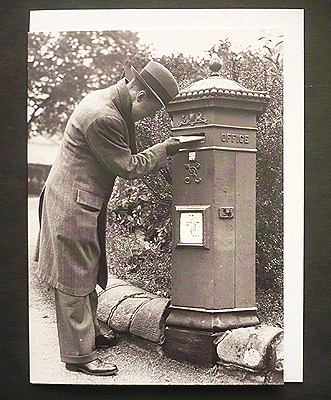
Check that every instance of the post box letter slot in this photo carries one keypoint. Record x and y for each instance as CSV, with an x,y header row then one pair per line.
x,y
191,139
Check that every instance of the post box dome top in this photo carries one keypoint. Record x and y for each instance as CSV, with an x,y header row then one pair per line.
x,y
215,86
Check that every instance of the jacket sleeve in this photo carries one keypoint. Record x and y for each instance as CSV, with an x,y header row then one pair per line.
x,y
105,136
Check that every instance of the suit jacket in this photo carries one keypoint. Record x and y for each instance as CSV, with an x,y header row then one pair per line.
x,y
98,145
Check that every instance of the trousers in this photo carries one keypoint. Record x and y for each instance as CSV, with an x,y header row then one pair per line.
x,y
77,326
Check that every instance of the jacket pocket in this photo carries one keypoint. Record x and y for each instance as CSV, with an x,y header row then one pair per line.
x,y
89,199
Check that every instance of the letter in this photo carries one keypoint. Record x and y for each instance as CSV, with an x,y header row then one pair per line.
x,y
223,137
246,139
241,138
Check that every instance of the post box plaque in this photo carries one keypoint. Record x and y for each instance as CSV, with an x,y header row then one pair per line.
x,y
192,226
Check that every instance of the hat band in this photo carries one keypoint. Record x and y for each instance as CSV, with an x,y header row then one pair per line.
x,y
156,86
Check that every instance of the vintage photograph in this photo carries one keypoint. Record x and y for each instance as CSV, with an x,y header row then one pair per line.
x,y
156,206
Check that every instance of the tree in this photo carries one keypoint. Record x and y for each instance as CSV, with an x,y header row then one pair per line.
x,y
65,66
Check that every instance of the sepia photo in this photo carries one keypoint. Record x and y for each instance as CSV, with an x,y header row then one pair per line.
x,y
157,200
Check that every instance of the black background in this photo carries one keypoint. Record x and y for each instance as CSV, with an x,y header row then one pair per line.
x,y
14,358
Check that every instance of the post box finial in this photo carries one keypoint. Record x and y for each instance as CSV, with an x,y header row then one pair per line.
x,y
215,65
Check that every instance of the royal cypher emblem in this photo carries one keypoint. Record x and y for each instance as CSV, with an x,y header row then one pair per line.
x,y
192,170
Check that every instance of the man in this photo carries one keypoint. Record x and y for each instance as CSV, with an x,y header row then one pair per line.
x,y
98,145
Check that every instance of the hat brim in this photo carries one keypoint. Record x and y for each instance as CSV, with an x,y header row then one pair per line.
x,y
142,80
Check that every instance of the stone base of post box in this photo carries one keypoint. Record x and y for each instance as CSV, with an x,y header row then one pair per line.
x,y
190,332
194,346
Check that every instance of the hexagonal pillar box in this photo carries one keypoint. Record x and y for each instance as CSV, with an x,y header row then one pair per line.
x,y
213,264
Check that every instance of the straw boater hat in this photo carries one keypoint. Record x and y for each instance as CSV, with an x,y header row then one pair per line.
x,y
158,79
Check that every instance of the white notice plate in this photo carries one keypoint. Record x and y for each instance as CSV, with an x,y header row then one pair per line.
x,y
191,228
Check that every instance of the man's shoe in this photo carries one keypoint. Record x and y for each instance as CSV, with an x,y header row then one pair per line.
x,y
103,342
93,368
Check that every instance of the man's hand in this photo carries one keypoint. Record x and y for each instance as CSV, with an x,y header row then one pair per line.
x,y
172,146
